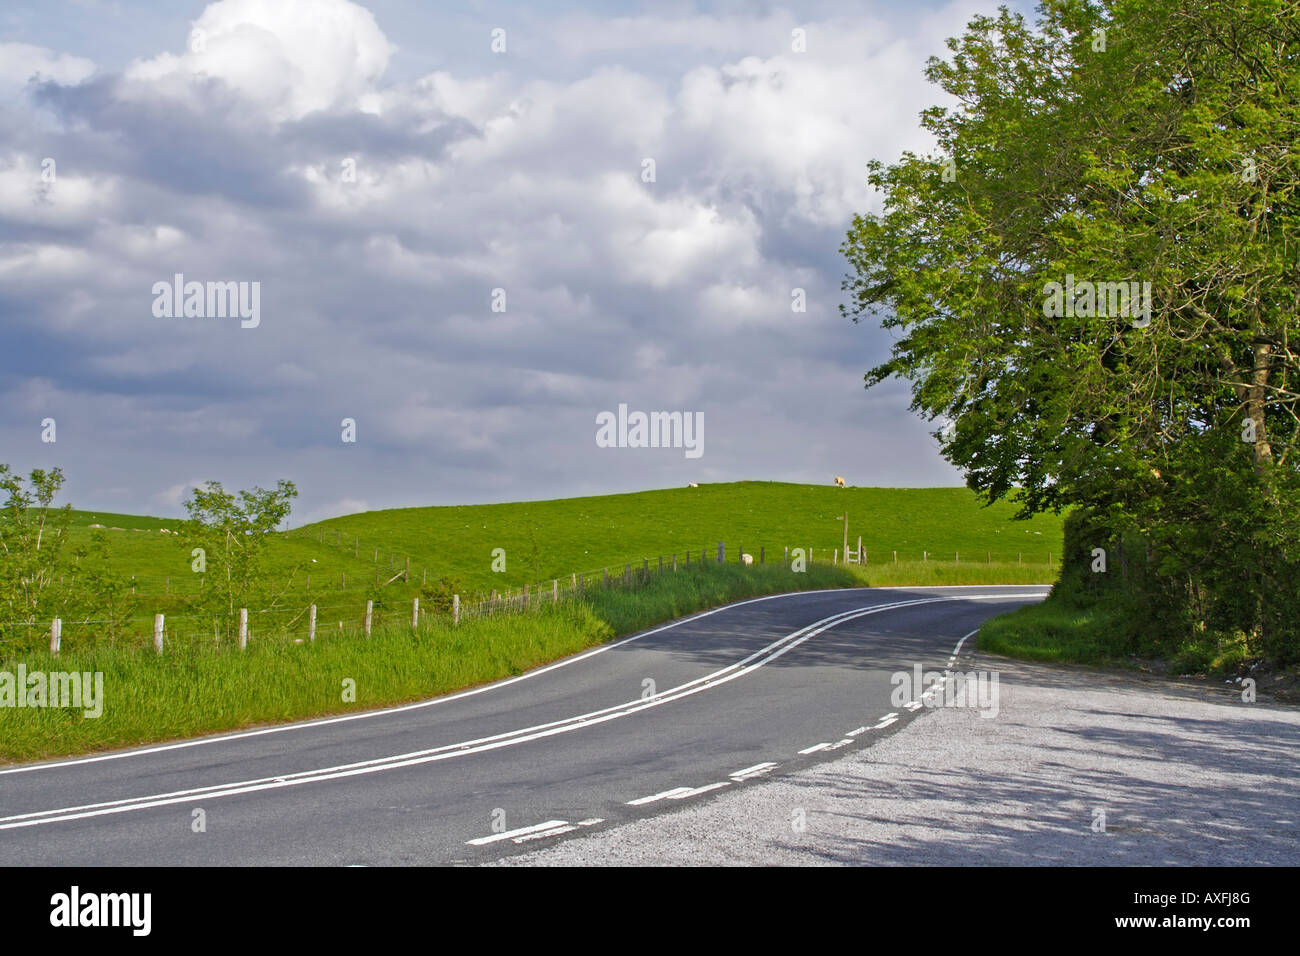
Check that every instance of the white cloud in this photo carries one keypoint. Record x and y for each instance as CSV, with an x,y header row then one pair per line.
x,y
289,57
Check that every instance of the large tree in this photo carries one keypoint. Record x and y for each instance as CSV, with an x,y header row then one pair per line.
x,y
1116,144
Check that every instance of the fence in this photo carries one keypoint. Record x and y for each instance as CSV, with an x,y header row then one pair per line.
x,y
315,620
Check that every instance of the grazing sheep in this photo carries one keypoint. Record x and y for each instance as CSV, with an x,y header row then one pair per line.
x,y
692,485
839,482
746,559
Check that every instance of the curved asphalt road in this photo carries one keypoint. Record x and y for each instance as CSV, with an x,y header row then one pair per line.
x,y
643,725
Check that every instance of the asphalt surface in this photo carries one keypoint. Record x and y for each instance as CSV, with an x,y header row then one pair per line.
x,y
1080,767
662,720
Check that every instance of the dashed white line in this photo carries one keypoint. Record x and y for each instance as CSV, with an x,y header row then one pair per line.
x,y
543,833
699,790
860,730
511,834
641,801
814,748
755,771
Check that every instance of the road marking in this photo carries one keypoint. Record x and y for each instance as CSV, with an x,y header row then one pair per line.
x,y
913,705
757,659
496,685
699,790
511,834
642,801
854,733
755,771
816,747
592,822
885,723
837,746
543,833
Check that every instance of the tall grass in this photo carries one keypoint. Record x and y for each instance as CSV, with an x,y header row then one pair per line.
x,y
199,688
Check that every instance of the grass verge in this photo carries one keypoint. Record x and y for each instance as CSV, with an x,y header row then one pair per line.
x,y
196,689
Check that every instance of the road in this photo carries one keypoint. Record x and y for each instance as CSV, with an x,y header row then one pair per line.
x,y
644,725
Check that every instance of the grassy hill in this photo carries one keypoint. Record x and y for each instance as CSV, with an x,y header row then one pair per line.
x,y
550,539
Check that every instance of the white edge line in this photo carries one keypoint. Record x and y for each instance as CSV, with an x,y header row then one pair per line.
x,y
343,718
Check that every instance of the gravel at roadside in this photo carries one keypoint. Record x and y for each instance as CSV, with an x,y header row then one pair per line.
x,y
1183,774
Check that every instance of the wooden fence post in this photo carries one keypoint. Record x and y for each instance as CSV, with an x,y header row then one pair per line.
x,y
415,613
627,573
835,556
895,557
56,637
407,579
661,564
243,629
674,562
370,610
924,557
859,549
786,559
311,623
455,609
762,555
343,580
158,633
555,590
722,553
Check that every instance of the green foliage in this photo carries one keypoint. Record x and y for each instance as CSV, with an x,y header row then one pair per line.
x,y
226,537
1166,154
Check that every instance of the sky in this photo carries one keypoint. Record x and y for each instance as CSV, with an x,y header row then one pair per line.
x,y
471,230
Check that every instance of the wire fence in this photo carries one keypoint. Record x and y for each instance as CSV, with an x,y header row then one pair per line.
x,y
302,622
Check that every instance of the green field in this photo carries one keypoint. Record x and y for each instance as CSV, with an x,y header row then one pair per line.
x,y
553,539
202,685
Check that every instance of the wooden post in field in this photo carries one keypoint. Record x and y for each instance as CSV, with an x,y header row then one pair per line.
x,y
627,574
376,561
1049,557
555,590
425,579
722,552
835,556
56,637
308,582
455,609
990,557
786,558
924,556
762,555
688,557
957,558
645,568
370,610
661,564
674,562
407,579
311,623
415,613
895,557
343,580
243,629
1020,558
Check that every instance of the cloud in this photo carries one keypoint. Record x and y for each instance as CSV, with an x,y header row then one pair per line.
x,y
380,214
